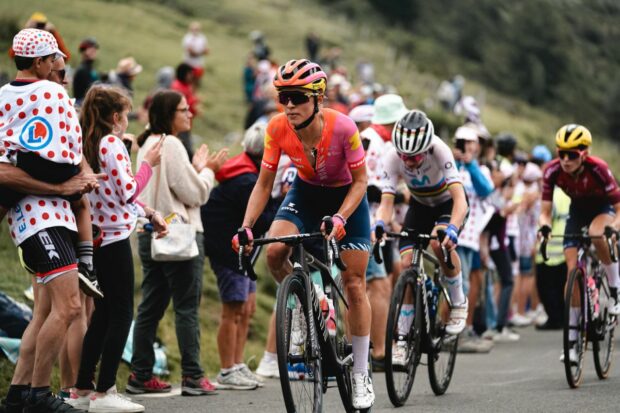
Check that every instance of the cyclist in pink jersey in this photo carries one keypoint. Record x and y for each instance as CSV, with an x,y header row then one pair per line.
x,y
326,149
595,203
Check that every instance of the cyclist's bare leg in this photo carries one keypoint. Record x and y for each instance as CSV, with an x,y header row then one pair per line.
x,y
25,363
65,297
570,254
354,283
278,254
597,228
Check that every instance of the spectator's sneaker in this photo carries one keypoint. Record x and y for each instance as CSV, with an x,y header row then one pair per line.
x,y
235,380
490,334
519,320
614,307
88,281
77,401
197,387
399,353
268,369
12,407
153,385
245,370
469,342
49,404
363,393
506,336
572,355
458,317
113,402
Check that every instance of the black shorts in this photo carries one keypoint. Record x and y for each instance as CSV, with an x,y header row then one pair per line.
x,y
423,218
49,253
42,170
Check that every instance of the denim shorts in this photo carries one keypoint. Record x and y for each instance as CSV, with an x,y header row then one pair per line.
x,y
526,265
375,271
233,287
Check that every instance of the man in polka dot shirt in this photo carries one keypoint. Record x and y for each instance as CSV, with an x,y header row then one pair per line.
x,y
39,132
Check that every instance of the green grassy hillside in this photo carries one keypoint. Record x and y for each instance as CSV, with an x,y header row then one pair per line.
x,y
152,32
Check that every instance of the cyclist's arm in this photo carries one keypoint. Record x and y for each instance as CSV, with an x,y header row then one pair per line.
x,y
546,211
356,192
616,223
259,197
459,206
386,208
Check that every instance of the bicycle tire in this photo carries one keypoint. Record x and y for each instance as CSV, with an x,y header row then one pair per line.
x,y
397,391
603,349
292,302
442,349
574,371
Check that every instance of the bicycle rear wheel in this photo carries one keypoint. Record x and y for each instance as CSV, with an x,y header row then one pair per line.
x,y
442,348
603,344
399,378
300,374
574,335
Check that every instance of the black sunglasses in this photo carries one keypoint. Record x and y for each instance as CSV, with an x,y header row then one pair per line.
x,y
296,98
61,73
572,155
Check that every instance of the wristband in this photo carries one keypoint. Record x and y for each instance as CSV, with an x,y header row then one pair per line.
x,y
341,218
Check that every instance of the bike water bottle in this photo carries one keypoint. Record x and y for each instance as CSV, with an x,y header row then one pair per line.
x,y
593,295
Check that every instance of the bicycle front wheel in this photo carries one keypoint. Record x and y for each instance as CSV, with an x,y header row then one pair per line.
x,y
402,341
574,333
301,376
604,326
442,348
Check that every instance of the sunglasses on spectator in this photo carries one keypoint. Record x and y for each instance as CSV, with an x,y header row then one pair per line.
x,y
61,73
571,154
413,158
296,98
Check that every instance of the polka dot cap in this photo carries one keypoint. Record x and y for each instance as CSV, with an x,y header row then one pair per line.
x,y
35,43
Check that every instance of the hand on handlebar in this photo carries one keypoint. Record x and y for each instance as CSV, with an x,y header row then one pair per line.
x,y
245,243
379,231
338,231
451,239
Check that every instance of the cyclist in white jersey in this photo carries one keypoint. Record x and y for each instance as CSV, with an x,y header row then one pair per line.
x,y
438,201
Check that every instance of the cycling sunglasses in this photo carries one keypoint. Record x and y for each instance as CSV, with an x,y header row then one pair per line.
x,y
61,73
296,98
571,154
413,158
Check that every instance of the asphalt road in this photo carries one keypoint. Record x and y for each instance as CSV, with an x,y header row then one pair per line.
x,y
525,376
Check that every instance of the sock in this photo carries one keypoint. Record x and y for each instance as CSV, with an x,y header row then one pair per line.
x,y
405,319
573,320
360,353
85,253
612,274
269,357
237,366
455,289
228,370
17,393
37,393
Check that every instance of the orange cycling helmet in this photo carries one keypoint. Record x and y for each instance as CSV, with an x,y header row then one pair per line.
x,y
573,136
303,74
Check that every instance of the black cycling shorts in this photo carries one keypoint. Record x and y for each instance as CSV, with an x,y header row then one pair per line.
x,y
423,218
49,253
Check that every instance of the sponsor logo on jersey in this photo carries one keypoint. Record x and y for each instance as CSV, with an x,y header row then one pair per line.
x,y
36,134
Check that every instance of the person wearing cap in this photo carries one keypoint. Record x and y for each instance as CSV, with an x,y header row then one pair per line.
x,y
85,75
221,216
39,21
478,185
40,132
195,48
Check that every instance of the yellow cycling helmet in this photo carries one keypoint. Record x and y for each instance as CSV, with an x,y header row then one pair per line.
x,y
573,136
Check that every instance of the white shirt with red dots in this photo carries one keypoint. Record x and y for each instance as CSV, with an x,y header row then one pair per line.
x,y
36,213
39,117
112,205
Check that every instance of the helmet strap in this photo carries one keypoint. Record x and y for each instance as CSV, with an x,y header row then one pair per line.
x,y
308,121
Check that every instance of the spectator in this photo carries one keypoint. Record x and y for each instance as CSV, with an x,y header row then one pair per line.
x,y
181,186
313,44
126,71
104,118
195,47
184,84
39,21
260,49
249,77
85,75
221,216
163,79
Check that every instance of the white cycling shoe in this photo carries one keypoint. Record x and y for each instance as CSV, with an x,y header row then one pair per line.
x,y
399,353
363,393
458,319
572,356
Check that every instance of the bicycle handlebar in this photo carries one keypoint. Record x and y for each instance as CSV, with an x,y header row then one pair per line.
x,y
609,232
447,257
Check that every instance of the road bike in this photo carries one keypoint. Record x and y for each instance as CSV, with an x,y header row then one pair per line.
x,y
587,291
311,334
431,305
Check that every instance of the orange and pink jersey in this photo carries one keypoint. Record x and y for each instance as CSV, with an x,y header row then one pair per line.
x,y
339,151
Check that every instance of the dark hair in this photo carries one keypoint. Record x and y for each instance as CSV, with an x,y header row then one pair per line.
x,y
25,63
183,70
161,114
96,117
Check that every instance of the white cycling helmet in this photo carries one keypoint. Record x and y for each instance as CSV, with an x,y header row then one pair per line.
x,y
413,133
